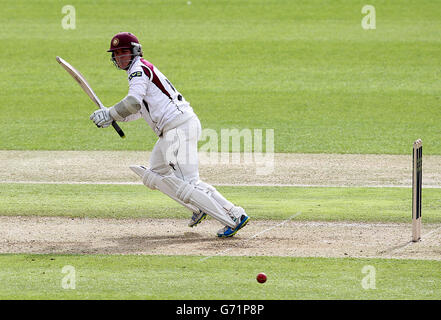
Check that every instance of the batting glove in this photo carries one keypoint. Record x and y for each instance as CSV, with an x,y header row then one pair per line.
x,y
102,118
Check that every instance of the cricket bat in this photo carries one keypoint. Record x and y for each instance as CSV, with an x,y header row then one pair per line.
x,y
86,87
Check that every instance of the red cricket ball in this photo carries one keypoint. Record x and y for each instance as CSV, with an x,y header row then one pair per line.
x,y
261,277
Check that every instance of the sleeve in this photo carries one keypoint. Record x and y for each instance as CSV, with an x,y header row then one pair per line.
x,y
128,109
132,117
138,84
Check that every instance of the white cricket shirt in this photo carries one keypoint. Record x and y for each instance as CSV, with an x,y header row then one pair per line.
x,y
161,104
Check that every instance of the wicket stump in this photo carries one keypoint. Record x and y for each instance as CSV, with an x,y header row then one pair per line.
x,y
417,179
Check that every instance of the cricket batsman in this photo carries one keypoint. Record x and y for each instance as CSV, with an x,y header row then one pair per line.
x,y
173,167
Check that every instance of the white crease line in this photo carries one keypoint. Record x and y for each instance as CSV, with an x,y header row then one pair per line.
x,y
74,182
280,224
427,235
223,184
256,235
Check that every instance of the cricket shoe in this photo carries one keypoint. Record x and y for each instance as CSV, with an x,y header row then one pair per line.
x,y
227,231
197,218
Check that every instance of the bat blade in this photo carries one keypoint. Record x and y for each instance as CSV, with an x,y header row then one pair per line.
x,y
87,89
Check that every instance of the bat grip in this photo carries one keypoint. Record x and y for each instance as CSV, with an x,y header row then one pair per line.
x,y
118,129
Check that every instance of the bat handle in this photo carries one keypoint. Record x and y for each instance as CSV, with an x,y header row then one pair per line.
x,y
118,129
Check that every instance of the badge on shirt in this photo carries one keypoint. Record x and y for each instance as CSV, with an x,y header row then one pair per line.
x,y
135,74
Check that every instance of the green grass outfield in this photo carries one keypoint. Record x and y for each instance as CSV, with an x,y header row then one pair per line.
x,y
279,203
228,278
306,69
303,68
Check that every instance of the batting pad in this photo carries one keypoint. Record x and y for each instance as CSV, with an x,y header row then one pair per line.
x,y
191,196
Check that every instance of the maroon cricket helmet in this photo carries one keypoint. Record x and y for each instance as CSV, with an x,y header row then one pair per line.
x,y
125,40
122,40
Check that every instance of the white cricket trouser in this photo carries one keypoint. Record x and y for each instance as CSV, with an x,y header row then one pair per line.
x,y
175,153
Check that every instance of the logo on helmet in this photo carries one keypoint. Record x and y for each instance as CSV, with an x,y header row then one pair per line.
x,y
115,42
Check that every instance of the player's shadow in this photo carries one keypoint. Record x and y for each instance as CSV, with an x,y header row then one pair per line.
x,y
157,243
395,248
